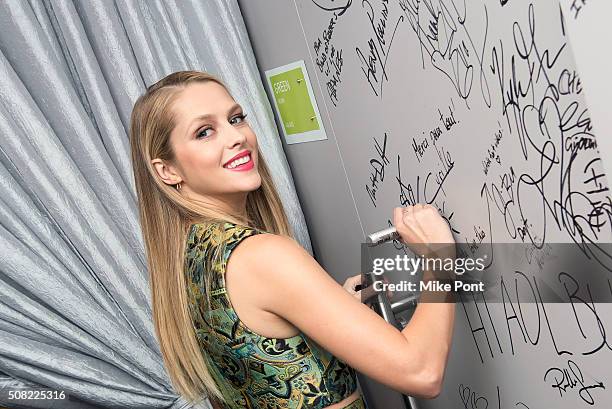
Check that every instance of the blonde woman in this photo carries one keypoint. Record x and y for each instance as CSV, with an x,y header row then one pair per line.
x,y
266,327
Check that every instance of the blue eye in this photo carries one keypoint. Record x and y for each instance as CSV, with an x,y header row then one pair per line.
x,y
241,116
201,133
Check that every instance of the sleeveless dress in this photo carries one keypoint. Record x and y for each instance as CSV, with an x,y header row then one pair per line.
x,y
251,370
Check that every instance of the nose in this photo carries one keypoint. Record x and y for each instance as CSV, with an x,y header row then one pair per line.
x,y
234,136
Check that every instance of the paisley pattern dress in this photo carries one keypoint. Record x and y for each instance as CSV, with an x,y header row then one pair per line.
x,y
251,370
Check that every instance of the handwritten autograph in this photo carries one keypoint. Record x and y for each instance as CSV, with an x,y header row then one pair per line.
x,y
571,377
378,169
443,35
377,53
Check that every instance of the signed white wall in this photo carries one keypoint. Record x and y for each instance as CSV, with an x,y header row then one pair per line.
x,y
478,108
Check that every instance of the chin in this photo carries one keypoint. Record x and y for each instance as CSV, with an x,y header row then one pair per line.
x,y
253,184
257,184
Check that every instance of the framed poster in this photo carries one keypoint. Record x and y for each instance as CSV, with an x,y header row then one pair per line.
x,y
295,103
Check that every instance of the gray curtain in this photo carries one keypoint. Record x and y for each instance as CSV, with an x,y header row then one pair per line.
x,y
75,312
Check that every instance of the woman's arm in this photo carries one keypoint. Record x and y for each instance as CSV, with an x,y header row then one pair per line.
x,y
292,285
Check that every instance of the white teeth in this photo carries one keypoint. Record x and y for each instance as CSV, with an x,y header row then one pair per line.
x,y
238,162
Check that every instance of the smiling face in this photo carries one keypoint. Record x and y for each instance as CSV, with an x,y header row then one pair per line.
x,y
215,148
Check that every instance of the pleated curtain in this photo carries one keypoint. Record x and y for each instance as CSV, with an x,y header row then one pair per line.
x,y
75,309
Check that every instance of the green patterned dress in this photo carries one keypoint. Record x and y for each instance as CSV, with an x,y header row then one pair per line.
x,y
253,371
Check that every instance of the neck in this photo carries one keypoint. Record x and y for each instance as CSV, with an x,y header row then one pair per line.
x,y
233,204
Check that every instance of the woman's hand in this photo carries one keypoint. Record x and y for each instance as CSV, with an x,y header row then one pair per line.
x,y
351,283
350,286
420,227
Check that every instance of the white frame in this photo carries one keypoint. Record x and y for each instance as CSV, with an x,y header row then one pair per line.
x,y
309,136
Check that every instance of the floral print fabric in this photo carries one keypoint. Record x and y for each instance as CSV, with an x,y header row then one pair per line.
x,y
251,370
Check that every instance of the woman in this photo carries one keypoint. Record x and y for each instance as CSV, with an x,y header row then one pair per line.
x,y
268,327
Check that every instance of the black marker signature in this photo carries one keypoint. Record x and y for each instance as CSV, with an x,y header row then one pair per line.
x,y
329,60
377,54
471,400
378,169
445,38
576,6
571,377
328,5
542,108
431,188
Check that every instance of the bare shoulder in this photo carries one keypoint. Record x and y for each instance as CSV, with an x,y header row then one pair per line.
x,y
258,274
261,246
266,256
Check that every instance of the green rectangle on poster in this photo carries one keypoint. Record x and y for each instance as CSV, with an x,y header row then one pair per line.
x,y
293,101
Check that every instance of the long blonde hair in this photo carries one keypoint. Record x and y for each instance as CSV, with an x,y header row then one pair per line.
x,y
165,218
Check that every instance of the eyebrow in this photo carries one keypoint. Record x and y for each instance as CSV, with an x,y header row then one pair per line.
x,y
210,116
